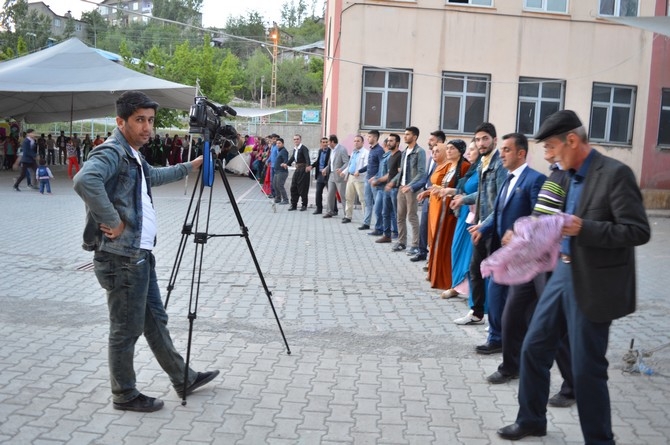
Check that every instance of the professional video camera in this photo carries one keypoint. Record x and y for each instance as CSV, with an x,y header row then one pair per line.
x,y
204,118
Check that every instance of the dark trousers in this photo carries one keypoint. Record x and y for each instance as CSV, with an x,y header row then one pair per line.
x,y
517,315
62,155
24,167
299,186
477,284
558,308
423,228
319,195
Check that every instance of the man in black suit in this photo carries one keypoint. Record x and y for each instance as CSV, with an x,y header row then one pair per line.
x,y
319,164
300,181
592,284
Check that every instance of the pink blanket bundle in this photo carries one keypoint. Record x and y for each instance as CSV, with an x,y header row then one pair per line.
x,y
534,249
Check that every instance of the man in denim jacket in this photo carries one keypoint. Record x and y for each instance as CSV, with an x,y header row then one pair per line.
x,y
115,184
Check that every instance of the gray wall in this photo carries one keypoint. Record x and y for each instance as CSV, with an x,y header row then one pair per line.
x,y
311,133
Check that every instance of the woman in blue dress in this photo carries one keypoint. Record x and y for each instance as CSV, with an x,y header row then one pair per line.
x,y
461,247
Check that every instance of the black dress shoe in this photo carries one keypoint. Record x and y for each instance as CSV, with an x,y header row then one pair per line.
x,y
328,215
316,212
398,247
303,208
202,379
418,257
559,400
516,431
489,348
376,233
290,209
498,377
140,404
364,227
345,220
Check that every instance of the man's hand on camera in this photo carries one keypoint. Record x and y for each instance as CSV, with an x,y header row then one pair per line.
x,y
197,162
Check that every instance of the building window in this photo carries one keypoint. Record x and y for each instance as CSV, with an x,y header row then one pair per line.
x,y
612,108
538,99
619,8
470,2
560,6
664,123
465,101
136,6
386,98
57,23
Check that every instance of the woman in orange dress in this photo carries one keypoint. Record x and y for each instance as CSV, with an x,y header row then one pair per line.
x,y
442,218
439,154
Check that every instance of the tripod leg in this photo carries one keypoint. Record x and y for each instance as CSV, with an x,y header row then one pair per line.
x,y
187,230
245,233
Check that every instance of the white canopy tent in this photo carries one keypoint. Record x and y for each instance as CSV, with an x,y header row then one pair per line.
x,y
71,81
657,24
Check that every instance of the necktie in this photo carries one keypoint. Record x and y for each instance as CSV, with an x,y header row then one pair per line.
x,y
505,191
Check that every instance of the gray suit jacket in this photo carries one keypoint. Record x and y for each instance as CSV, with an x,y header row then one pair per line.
x,y
603,254
339,159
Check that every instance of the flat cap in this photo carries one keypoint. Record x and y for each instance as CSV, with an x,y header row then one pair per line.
x,y
558,123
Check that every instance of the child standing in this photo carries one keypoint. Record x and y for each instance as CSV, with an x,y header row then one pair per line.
x,y
44,175
72,161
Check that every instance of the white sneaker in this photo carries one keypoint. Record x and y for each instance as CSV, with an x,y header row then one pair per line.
x,y
470,318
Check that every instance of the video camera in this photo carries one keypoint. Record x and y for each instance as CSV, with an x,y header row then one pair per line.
x,y
204,118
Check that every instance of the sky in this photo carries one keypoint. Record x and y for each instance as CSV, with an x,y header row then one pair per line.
x,y
215,12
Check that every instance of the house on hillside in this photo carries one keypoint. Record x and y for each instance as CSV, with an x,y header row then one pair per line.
x,y
58,22
124,12
452,64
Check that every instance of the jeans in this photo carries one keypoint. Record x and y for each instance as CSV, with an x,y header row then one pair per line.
x,y
45,184
135,308
390,212
369,193
379,209
278,186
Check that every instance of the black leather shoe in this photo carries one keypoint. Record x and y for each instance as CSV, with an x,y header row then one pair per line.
x,y
303,208
316,212
290,209
345,220
202,379
498,377
140,404
489,348
398,247
418,257
516,432
364,227
328,215
559,400
376,233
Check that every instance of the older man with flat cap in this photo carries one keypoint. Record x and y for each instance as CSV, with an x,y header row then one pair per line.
x,y
592,284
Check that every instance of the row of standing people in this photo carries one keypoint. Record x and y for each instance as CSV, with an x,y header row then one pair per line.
x,y
472,198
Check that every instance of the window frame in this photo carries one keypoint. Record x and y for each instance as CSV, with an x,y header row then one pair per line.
x,y
468,3
544,7
538,100
617,9
609,106
666,108
463,95
385,93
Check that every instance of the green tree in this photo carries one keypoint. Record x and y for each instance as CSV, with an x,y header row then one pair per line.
x,y
184,11
257,67
252,30
69,29
292,13
293,86
97,25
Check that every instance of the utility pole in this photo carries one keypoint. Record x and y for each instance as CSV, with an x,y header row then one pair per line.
x,y
274,35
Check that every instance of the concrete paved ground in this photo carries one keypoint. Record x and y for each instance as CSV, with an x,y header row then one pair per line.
x,y
375,356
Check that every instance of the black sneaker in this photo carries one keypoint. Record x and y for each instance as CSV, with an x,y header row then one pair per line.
x,y
140,404
16,187
202,379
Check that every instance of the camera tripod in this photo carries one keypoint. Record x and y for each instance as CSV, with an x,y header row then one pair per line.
x,y
192,227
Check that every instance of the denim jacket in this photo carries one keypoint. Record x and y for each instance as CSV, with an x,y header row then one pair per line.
x,y
110,185
490,183
417,166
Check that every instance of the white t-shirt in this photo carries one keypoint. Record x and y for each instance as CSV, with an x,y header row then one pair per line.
x,y
149,223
